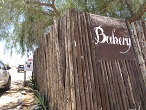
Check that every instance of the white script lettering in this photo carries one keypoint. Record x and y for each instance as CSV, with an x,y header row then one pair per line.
x,y
102,38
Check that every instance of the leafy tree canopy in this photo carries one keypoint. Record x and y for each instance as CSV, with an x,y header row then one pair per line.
x,y
23,22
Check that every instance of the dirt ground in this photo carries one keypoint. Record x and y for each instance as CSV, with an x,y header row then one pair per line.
x,y
17,98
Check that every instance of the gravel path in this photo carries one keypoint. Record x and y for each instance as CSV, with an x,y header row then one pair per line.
x,y
17,98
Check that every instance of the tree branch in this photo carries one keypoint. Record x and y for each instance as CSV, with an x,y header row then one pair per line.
x,y
138,14
45,13
129,7
45,4
56,11
106,7
39,3
53,1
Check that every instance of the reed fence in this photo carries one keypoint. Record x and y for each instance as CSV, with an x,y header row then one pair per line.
x,y
67,70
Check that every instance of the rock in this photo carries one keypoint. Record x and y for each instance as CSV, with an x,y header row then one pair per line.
x,y
19,107
23,92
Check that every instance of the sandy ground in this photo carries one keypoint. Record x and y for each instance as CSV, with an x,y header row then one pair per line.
x,y
18,97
